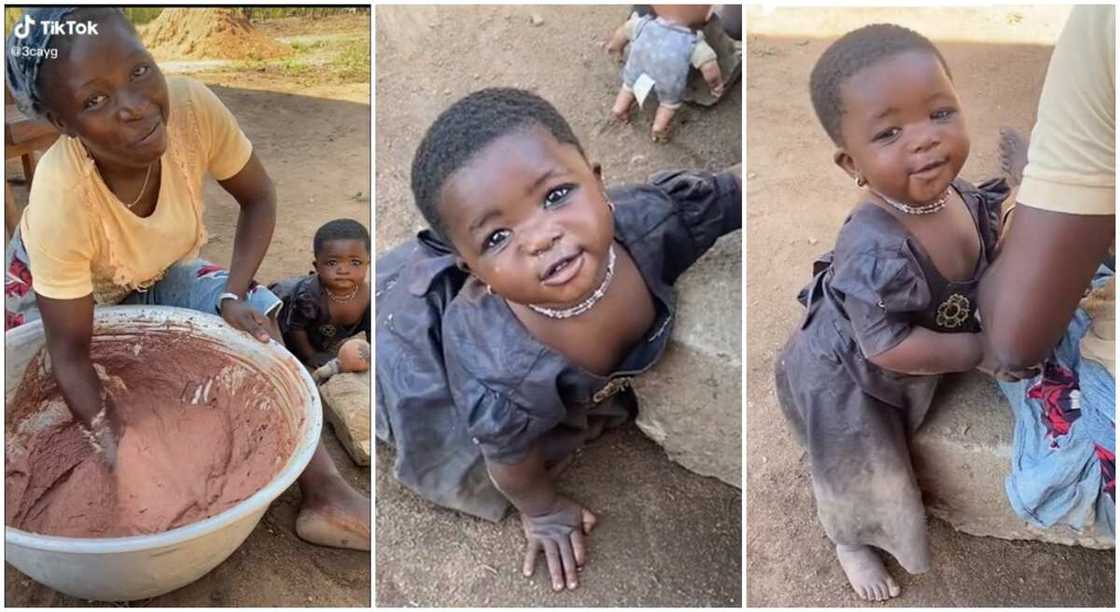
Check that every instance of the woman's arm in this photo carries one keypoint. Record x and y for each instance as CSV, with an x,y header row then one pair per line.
x,y
69,329
1044,265
256,195
926,352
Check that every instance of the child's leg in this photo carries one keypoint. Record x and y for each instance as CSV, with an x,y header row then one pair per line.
x,y
661,122
866,491
622,103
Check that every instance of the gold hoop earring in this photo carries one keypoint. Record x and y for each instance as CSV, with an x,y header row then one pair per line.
x,y
610,205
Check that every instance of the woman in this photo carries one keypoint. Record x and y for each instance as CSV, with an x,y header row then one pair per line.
x,y
115,217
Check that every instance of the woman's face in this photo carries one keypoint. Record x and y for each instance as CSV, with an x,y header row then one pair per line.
x,y
528,216
902,128
106,90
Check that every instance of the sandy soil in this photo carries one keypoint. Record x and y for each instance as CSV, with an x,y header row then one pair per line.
x,y
314,142
999,59
667,537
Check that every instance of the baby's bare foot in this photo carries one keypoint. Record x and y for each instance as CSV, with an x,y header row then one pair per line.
x,y
1012,155
659,136
621,116
340,519
866,573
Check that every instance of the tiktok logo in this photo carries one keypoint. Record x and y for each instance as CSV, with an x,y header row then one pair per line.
x,y
23,28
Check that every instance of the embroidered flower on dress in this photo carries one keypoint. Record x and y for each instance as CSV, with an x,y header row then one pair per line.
x,y
954,311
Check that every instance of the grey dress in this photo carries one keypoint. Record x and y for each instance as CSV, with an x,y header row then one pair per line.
x,y
461,381
854,417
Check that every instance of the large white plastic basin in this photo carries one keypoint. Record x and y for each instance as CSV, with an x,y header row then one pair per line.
x,y
137,567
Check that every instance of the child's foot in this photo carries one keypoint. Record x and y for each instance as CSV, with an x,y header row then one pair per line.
x,y
1012,155
659,136
339,519
621,116
866,573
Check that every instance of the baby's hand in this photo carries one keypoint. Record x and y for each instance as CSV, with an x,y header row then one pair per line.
x,y
559,532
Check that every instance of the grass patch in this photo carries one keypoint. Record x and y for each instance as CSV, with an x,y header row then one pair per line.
x,y
341,60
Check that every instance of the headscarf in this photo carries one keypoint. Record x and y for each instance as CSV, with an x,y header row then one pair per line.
x,y
22,67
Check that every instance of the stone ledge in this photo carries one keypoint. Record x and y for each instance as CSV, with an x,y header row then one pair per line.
x,y
690,402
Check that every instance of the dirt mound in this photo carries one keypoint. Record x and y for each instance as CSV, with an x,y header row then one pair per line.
x,y
212,33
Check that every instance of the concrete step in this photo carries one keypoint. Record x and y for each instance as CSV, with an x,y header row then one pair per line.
x,y
690,402
962,456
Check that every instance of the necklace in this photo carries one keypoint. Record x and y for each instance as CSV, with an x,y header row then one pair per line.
x,y
147,175
587,304
341,300
912,209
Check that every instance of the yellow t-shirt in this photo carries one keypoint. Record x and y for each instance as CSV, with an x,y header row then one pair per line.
x,y
80,237
1071,157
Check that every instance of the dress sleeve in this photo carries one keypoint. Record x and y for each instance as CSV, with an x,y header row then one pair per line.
x,y
883,289
505,385
225,146
503,428
303,306
705,206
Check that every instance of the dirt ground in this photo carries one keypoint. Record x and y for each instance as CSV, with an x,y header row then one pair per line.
x,y
998,58
313,135
666,536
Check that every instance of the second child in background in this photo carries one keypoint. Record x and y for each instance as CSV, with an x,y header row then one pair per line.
x,y
663,48
323,309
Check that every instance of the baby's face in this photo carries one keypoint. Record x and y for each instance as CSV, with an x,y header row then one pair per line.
x,y
107,90
529,217
902,127
342,265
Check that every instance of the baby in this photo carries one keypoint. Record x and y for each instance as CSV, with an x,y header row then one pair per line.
x,y
508,333
663,47
893,306
323,309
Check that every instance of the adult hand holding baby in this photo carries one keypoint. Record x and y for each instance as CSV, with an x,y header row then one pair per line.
x,y
559,532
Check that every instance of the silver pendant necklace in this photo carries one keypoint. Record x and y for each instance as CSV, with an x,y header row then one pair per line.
x,y
911,209
587,304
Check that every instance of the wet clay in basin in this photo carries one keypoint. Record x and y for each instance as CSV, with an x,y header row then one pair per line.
x,y
202,432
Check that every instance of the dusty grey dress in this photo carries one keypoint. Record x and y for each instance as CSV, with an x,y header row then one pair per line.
x,y
853,417
460,381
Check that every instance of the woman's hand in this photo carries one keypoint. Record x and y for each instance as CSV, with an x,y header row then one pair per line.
x,y
558,532
242,316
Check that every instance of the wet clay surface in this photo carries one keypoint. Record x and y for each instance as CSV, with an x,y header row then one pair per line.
x,y
201,432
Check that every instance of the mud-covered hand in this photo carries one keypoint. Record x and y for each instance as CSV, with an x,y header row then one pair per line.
x,y
104,431
560,533
244,317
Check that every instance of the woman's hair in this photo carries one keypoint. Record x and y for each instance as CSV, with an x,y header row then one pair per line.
x,y
25,53
466,128
340,229
851,53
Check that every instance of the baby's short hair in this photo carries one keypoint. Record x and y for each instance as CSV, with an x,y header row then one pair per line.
x,y
465,128
851,53
340,229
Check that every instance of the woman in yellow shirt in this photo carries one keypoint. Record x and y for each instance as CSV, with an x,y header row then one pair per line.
x,y
115,217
